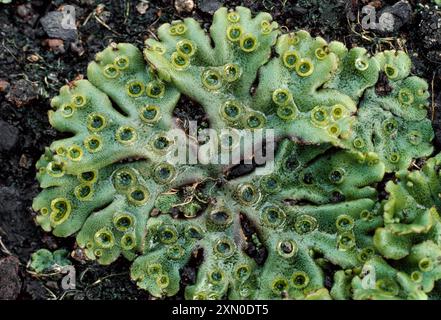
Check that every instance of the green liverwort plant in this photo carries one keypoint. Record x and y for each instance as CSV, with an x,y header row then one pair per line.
x,y
45,261
312,227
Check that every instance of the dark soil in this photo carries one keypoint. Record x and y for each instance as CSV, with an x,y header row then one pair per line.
x,y
33,66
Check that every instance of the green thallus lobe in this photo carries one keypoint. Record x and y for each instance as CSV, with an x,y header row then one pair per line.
x,y
318,210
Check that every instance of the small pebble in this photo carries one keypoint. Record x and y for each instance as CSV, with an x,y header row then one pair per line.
x,y
22,93
4,85
209,6
24,161
54,45
25,12
10,282
33,58
77,47
184,6
392,18
142,7
55,26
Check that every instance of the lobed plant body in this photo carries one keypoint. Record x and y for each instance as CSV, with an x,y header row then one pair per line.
x,y
315,227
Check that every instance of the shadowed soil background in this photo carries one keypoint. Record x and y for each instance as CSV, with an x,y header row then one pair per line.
x,y
37,57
